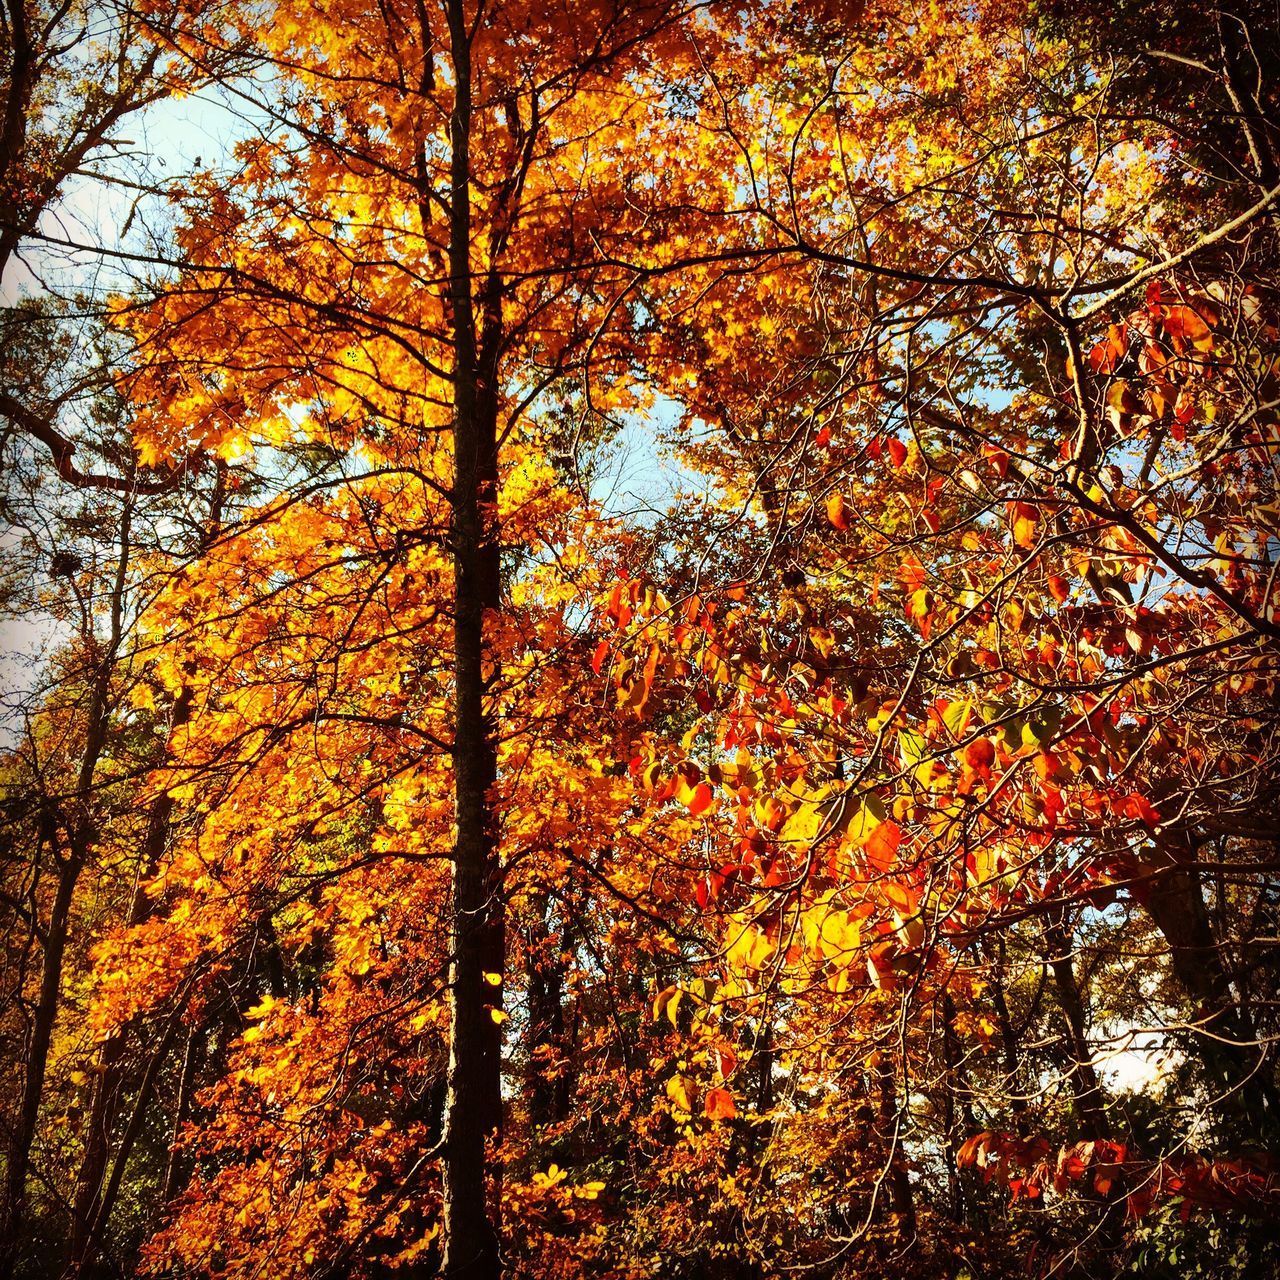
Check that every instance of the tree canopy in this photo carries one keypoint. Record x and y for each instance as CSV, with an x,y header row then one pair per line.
x,y
657,639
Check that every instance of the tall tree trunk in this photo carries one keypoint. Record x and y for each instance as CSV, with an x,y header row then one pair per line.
x,y
957,1113
178,1170
13,129
1242,74
1080,1071
89,1206
473,1104
901,1198
83,1262
92,1208
1012,1087
547,1086
36,1059
79,822
1175,902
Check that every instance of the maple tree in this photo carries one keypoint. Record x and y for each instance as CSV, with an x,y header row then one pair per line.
x,y
421,864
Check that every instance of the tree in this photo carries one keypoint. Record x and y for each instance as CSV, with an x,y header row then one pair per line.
x,y
414,266
772,883
962,434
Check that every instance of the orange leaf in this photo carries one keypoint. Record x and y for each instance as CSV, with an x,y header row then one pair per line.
x,y
719,1104
897,452
1187,323
901,896
880,967
919,608
1025,519
1107,354
835,511
972,1148
882,845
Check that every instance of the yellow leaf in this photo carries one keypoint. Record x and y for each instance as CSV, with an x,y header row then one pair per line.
x,y
680,1091
750,949
1025,521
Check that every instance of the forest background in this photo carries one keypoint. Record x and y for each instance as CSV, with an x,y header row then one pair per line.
x,y
644,638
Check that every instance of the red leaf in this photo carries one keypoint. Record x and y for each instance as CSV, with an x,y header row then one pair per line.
x,y
1138,806
897,452
701,799
597,658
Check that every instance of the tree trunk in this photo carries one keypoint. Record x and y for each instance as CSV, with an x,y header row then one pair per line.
x,y
36,1059
473,1103
901,1198
178,1169
1241,73
80,826
957,1114
90,1207
1008,1042
1175,902
13,130
1080,1070
547,1086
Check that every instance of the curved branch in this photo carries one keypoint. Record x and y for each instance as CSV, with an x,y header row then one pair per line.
x,y
63,452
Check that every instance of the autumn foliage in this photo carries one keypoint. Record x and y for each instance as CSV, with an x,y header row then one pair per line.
x,y
659,642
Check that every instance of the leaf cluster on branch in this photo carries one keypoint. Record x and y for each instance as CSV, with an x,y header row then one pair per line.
x,y
429,850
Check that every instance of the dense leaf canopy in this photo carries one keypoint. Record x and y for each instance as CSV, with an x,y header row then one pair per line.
x,y
651,639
